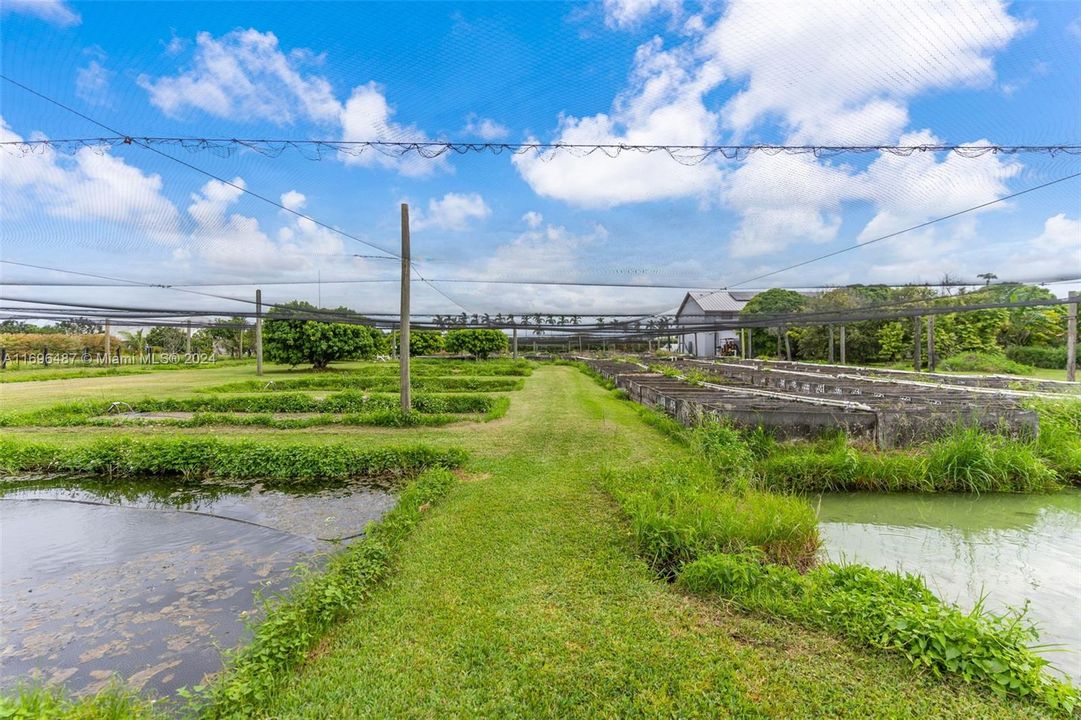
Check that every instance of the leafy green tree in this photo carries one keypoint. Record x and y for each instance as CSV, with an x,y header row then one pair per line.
x,y
232,335
480,342
892,342
313,341
772,302
202,342
169,339
425,342
1030,325
79,326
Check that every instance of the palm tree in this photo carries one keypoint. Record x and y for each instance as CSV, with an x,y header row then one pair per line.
x,y
135,340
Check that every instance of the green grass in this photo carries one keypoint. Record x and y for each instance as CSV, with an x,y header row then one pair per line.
x,y
521,593
1059,442
52,703
984,363
896,613
520,596
210,457
376,383
366,408
294,624
967,460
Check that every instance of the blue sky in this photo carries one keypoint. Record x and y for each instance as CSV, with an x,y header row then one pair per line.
x,y
641,71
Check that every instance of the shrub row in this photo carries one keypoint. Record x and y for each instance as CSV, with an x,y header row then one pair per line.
x,y
376,418
893,612
1040,356
294,624
374,383
81,412
210,457
442,367
986,363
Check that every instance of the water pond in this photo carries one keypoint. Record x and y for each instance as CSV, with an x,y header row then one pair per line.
x,y
1011,548
149,581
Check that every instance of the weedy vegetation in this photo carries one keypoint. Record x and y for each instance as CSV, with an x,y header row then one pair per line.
x,y
213,458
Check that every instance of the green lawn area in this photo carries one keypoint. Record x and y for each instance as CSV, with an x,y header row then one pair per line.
x,y
520,594
521,597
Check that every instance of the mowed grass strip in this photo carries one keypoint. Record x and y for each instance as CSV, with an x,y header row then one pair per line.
x,y
520,596
377,383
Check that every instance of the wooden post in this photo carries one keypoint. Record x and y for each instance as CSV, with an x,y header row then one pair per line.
x,y
1071,337
187,341
514,340
931,359
750,342
403,335
108,342
917,361
842,344
831,342
258,332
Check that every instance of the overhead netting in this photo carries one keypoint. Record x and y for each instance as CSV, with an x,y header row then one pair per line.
x,y
591,182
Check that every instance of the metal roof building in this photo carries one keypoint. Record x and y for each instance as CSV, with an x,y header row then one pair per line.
x,y
705,305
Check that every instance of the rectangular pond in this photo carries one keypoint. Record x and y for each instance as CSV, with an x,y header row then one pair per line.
x,y
1015,549
150,581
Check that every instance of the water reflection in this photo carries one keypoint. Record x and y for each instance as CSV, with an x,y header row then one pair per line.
x,y
151,581
1013,548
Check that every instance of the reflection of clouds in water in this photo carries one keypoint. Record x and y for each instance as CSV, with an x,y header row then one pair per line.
x,y
147,592
1007,547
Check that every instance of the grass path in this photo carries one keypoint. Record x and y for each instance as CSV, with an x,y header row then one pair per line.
x,y
520,597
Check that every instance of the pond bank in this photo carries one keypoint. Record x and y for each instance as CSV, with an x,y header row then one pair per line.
x,y
1010,548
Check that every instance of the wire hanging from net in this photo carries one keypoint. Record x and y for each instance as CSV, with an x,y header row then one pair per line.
x,y
314,149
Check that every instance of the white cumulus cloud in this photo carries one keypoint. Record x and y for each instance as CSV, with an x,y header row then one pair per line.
x,y
454,211
843,71
664,104
87,186
56,12
485,128
244,75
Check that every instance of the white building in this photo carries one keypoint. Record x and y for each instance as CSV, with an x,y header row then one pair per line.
x,y
708,306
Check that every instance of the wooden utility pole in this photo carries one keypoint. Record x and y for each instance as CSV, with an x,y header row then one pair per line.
x,y
917,361
258,332
842,344
403,334
187,339
514,341
787,346
1071,337
831,342
750,342
108,343
932,361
